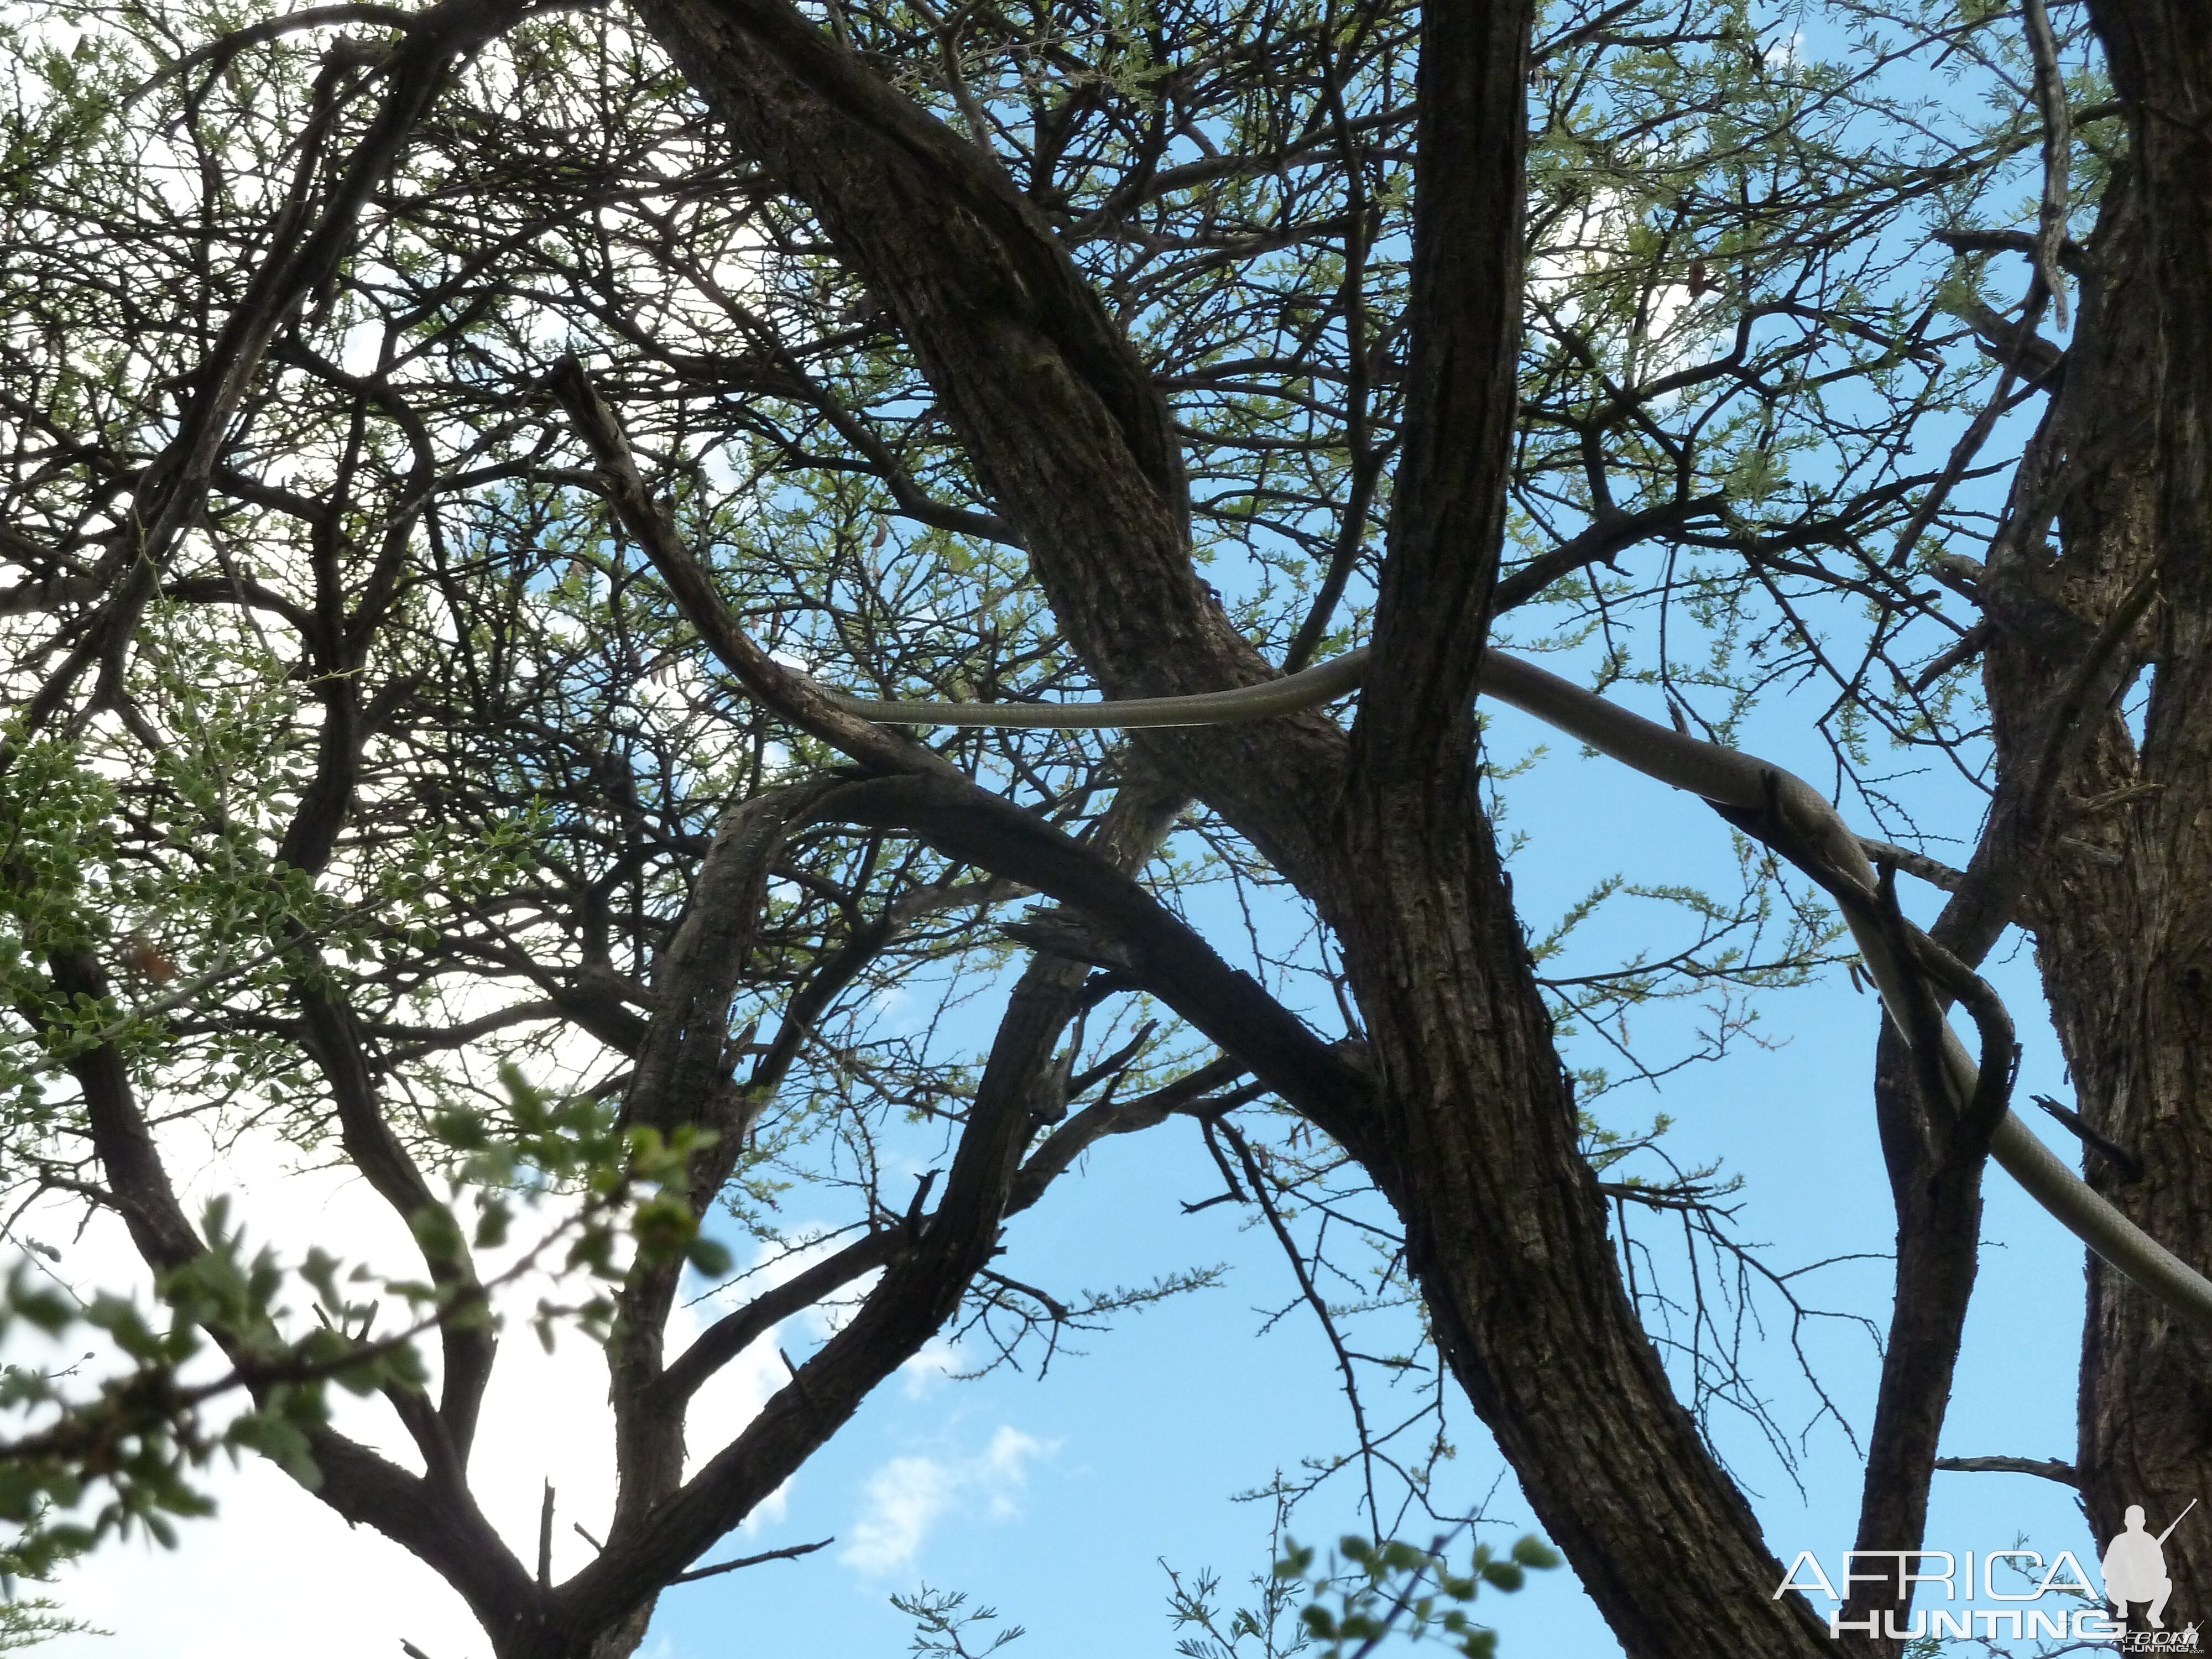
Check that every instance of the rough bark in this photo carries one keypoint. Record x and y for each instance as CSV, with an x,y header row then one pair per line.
x,y
2119,893
1475,1136
1474,1144
1060,417
683,1081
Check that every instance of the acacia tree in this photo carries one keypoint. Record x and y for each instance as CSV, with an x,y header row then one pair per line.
x,y
455,457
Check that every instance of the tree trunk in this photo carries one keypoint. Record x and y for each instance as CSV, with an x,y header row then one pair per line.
x,y
1475,1143
2120,898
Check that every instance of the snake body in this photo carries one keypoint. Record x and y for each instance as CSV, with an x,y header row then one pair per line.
x,y
1725,776
1310,688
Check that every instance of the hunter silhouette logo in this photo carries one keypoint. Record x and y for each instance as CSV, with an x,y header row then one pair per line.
x,y
2014,1580
2135,1567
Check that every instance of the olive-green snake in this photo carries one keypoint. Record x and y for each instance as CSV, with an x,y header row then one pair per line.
x,y
1725,776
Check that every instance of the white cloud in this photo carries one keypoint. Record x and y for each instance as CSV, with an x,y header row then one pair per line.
x,y
260,1579
1588,241
903,1498
1001,1469
734,1394
906,1497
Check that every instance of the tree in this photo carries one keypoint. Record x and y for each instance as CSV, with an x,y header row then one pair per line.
x,y
456,457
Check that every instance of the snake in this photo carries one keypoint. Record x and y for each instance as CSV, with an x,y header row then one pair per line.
x,y
1729,778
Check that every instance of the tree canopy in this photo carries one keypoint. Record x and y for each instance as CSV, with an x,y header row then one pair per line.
x,y
461,465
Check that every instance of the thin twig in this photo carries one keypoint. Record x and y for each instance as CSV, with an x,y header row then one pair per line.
x,y
1307,1289
790,1552
2126,1163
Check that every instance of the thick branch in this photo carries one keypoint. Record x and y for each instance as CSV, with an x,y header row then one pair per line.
x,y
734,1332
1058,413
1163,955
1433,609
2049,1469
